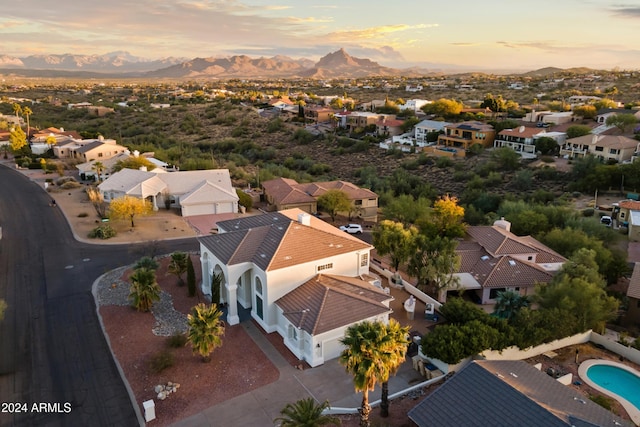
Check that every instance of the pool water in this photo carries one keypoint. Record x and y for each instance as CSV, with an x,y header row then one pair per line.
x,y
619,381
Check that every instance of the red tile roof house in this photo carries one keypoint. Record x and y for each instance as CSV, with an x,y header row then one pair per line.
x,y
298,275
492,259
627,212
284,193
520,139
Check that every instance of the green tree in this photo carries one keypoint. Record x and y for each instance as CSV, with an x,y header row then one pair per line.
x,y
191,278
178,265
605,103
306,413
508,303
334,201
17,138
446,108
205,330
434,262
622,121
506,158
546,145
373,353
144,289
577,130
393,239
406,209
452,343
585,111
579,291
128,207
244,199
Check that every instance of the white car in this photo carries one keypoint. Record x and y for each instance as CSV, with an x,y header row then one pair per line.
x,y
352,228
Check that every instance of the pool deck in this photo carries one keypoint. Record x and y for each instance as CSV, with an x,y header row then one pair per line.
x,y
633,412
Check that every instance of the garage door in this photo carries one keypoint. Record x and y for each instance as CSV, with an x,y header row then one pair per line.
x,y
332,349
198,210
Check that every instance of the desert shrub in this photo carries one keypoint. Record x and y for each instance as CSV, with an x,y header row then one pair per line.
x,y
70,184
588,212
103,232
161,361
444,162
83,215
64,180
176,340
303,137
245,199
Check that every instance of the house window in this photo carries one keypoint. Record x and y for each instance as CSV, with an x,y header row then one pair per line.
x,y
621,215
324,267
258,286
600,149
99,154
358,202
613,151
293,333
364,260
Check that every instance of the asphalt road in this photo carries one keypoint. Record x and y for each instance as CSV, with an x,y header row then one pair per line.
x,y
55,364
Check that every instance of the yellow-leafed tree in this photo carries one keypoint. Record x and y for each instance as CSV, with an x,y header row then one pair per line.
x,y
128,207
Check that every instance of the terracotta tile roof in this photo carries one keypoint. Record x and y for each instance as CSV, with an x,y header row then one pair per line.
x,y
611,141
273,241
522,132
634,283
509,272
326,302
498,241
288,191
353,191
632,205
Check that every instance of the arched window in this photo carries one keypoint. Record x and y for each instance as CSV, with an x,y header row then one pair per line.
x,y
258,286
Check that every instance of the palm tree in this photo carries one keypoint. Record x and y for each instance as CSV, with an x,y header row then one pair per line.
x,y
27,113
508,303
144,289
147,262
17,108
178,265
205,329
306,413
373,352
398,340
99,168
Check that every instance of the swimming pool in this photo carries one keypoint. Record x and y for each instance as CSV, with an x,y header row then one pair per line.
x,y
616,380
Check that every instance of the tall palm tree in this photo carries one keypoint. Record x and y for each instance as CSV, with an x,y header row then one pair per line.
x,y
17,108
508,303
373,352
27,113
205,329
144,290
99,168
398,341
306,413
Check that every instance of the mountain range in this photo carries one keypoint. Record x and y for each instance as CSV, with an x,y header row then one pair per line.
x,y
338,64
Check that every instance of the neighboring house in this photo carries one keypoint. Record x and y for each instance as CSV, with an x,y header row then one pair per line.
x,y
521,140
465,134
603,114
627,213
606,147
425,127
318,114
299,276
85,150
284,193
362,119
493,259
632,317
87,170
201,192
508,393
414,105
389,127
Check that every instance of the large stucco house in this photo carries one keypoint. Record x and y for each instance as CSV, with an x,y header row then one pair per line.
x,y
298,276
201,192
493,259
285,193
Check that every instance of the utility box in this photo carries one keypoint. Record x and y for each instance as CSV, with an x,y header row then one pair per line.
x,y
149,410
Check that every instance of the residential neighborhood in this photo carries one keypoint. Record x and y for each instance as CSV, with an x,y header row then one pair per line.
x,y
475,226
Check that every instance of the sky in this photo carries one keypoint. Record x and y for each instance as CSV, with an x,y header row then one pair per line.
x,y
489,34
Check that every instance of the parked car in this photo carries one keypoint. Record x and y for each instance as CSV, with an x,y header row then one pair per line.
x,y
352,228
606,220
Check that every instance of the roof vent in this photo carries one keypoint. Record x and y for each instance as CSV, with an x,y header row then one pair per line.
x,y
503,223
512,263
484,257
304,219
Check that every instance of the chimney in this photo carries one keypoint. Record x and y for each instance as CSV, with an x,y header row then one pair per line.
x,y
503,223
136,153
304,219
